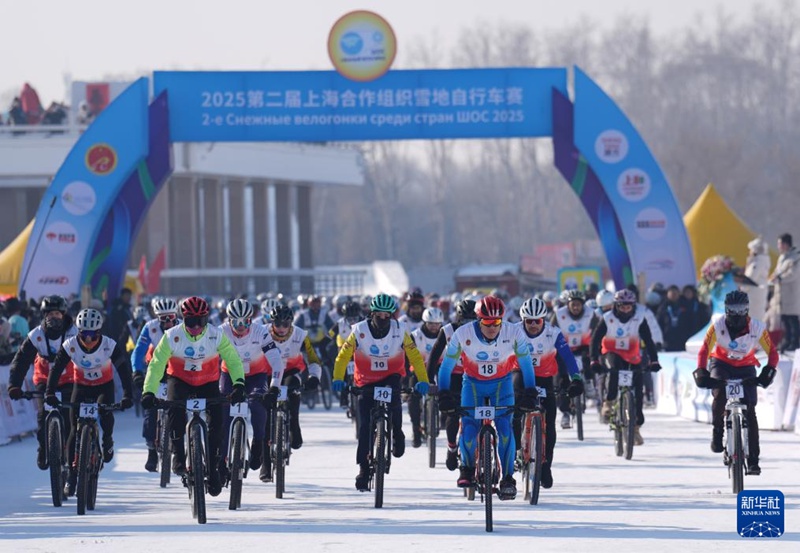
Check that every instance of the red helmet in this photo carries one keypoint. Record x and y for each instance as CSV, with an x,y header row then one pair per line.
x,y
490,307
194,307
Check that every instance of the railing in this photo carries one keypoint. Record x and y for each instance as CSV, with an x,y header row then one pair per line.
x,y
40,131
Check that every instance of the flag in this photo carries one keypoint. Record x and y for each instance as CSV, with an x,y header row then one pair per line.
x,y
154,276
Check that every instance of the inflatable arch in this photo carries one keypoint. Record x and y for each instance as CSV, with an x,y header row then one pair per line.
x,y
91,213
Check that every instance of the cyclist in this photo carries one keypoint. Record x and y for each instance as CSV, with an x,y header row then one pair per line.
x,y
39,349
316,321
415,304
731,342
424,338
351,314
548,349
465,312
266,308
293,342
259,354
576,324
190,353
615,346
379,347
166,313
92,356
485,348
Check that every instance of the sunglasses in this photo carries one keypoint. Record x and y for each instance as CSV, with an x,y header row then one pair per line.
x,y
242,323
195,322
169,318
90,335
281,324
491,322
532,322
737,309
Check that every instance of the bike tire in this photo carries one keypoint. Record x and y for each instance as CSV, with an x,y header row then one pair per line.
x,y
94,475
629,421
197,448
537,458
280,454
737,463
487,478
616,419
380,462
55,450
164,450
237,465
431,429
84,454
579,403
325,389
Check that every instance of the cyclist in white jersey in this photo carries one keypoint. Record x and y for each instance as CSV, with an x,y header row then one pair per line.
x,y
424,338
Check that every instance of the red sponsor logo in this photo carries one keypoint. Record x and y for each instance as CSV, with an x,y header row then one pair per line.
x,y
61,237
101,159
57,280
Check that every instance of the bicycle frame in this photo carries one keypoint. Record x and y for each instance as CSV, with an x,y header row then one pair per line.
x,y
623,412
737,443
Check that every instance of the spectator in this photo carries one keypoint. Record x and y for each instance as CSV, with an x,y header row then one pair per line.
x,y
56,114
757,270
19,324
785,279
16,115
84,117
696,314
669,318
120,314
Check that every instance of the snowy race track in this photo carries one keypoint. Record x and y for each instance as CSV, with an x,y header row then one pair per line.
x,y
673,496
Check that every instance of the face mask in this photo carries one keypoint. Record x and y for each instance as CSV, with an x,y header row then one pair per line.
x,y
381,324
736,322
52,327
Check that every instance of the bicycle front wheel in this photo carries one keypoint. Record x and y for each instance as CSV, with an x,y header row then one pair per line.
x,y
325,388
487,480
55,449
280,453
164,448
431,429
537,457
380,461
737,463
237,465
628,422
196,447
84,456
579,403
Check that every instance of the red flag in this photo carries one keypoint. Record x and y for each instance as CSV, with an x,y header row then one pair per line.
x,y
154,276
98,96
143,272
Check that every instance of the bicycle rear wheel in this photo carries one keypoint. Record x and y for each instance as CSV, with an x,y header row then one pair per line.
x,y
487,480
737,463
380,461
84,454
55,449
629,422
237,465
325,388
537,457
164,448
280,453
196,449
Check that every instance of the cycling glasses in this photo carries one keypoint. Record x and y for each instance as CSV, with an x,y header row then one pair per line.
x,y
89,335
195,322
242,323
739,309
282,324
532,322
491,322
168,318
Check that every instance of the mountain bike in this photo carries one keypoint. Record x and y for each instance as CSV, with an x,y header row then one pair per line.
x,y
198,454
533,446
163,443
89,454
55,440
736,451
280,436
239,450
623,414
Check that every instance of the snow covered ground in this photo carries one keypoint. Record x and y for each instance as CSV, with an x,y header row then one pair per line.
x,y
673,496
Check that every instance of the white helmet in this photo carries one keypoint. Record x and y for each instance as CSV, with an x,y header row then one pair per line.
x,y
533,308
268,305
89,319
164,306
604,299
549,296
433,315
239,309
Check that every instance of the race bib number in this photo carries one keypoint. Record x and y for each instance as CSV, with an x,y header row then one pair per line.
x,y
283,395
192,366
490,369
196,404
240,409
541,391
485,412
92,374
382,393
162,391
734,389
48,407
379,365
88,411
622,344
351,368
574,340
625,378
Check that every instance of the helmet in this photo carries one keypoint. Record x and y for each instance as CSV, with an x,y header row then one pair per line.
x,y
415,297
383,303
282,313
652,299
268,305
164,306
490,307
465,310
53,303
604,298
737,303
456,297
365,301
533,308
89,319
351,310
658,288
549,296
591,303
239,309
339,301
575,295
563,297
194,306
433,315
624,296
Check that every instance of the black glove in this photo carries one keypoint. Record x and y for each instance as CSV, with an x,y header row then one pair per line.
x,y
765,377
238,394
271,397
575,387
15,392
528,400
148,400
138,381
126,402
654,367
448,401
597,368
312,383
702,378
51,400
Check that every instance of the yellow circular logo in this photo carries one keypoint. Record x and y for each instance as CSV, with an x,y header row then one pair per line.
x,y
362,45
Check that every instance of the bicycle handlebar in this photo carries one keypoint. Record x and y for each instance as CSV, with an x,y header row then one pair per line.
x,y
719,383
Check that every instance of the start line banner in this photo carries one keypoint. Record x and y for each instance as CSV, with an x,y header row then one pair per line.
x,y
322,106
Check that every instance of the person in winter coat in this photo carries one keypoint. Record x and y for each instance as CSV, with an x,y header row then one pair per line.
x,y
757,270
786,279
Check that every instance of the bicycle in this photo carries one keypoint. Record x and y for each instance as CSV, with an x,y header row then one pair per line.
x,y
533,447
623,414
88,451
163,443
239,450
197,451
55,440
431,410
281,437
736,450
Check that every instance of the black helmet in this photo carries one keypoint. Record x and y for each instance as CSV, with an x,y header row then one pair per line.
x,y
351,310
282,313
737,303
576,295
465,310
415,297
53,303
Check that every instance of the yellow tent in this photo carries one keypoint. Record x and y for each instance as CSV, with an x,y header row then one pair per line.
x,y
715,229
11,265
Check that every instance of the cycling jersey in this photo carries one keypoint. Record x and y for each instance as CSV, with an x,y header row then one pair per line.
x,y
254,348
577,332
292,348
543,349
40,351
737,351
